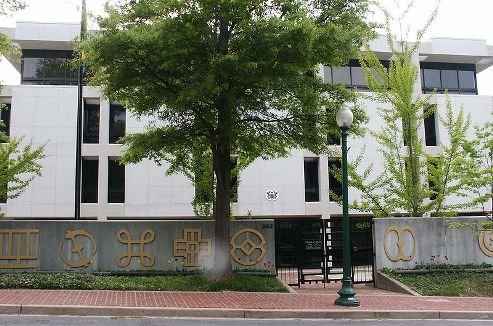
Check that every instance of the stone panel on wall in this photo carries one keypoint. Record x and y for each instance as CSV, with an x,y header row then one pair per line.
x,y
403,243
101,246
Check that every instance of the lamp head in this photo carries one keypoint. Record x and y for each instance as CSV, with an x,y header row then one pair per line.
x,y
344,117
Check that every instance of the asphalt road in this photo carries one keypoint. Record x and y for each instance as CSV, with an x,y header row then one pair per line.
x,y
121,321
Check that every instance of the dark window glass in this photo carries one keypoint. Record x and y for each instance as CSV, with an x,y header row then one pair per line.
x,y
234,180
3,191
456,78
5,118
431,185
449,79
327,74
335,185
432,78
430,129
312,193
116,181
89,181
117,122
467,79
341,75
358,77
48,67
351,75
334,139
91,123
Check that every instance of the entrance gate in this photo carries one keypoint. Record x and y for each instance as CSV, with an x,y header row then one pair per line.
x,y
310,250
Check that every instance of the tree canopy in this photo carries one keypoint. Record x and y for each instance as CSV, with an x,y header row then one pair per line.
x,y
227,77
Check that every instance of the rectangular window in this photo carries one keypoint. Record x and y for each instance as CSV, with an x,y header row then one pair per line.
x,y
117,122
335,184
432,166
91,123
5,118
430,128
455,78
312,192
48,67
334,139
341,75
89,180
351,75
3,191
234,180
116,181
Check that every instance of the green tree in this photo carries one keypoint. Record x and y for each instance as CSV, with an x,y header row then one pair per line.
x,y
412,182
225,77
19,163
480,169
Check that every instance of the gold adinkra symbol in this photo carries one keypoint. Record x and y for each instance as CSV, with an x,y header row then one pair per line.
x,y
146,259
242,242
486,242
192,247
400,231
84,255
19,248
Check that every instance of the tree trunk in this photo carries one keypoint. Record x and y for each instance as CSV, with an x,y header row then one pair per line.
x,y
221,152
222,169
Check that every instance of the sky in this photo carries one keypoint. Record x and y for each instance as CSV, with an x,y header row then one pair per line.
x,y
456,19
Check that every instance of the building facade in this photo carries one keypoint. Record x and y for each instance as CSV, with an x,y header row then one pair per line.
x,y
43,109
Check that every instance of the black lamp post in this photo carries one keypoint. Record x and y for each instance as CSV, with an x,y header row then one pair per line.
x,y
347,295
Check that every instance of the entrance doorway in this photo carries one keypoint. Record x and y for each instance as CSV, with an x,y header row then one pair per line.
x,y
310,250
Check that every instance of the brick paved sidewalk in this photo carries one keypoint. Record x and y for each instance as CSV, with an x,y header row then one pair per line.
x,y
299,304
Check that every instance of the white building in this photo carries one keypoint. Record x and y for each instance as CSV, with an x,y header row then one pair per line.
x,y
44,109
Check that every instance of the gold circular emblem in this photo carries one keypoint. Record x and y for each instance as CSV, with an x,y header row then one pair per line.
x,y
84,255
251,244
399,231
486,242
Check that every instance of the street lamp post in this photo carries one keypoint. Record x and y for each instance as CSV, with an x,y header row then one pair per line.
x,y
347,295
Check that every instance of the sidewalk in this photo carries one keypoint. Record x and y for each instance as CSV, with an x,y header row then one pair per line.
x,y
311,301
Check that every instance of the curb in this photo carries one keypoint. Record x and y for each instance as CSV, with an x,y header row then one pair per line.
x,y
240,313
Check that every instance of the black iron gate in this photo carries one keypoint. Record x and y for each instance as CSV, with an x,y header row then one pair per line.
x,y
310,250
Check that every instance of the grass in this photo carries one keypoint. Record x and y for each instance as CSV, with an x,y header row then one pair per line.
x,y
80,281
449,283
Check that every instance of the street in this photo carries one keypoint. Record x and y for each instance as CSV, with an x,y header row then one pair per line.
x,y
25,320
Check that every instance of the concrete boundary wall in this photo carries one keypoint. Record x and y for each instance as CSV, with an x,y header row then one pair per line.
x,y
407,242
120,246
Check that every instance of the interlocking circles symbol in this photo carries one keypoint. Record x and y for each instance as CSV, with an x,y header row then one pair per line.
x,y
249,243
486,242
84,255
398,236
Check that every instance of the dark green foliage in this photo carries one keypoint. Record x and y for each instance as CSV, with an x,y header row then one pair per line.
x,y
81,281
464,284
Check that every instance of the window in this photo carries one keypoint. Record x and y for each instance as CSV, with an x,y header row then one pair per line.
x,y
335,185
5,118
234,180
351,75
89,180
48,67
117,122
3,191
334,139
312,193
116,181
430,128
455,78
432,174
91,123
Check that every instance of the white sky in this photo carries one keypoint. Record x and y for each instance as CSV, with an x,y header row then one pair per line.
x,y
456,18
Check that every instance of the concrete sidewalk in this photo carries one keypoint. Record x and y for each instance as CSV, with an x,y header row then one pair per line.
x,y
315,302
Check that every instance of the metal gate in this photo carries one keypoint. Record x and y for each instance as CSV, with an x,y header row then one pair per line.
x,y
310,250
